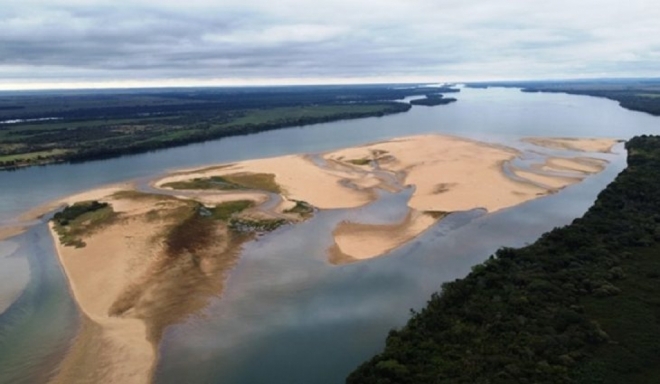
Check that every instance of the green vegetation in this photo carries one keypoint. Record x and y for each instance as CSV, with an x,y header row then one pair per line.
x,y
258,181
363,161
433,100
90,125
580,305
80,219
245,225
32,156
197,226
226,210
302,208
635,94
214,182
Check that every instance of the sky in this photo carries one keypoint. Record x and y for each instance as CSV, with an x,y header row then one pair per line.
x,y
114,43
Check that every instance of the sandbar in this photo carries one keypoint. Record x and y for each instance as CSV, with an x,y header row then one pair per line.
x,y
149,267
602,145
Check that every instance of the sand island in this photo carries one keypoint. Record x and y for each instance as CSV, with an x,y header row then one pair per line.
x,y
141,258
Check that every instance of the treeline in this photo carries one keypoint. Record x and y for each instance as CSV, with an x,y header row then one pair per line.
x,y
91,143
580,305
433,99
168,102
96,151
634,100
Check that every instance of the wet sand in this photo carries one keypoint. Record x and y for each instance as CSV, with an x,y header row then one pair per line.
x,y
573,144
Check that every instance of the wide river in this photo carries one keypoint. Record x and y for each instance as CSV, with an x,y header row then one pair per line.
x,y
286,315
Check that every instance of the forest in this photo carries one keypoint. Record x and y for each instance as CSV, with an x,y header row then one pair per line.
x,y
433,99
55,126
580,305
641,95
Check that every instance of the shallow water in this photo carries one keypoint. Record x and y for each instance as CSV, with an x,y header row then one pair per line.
x,y
287,316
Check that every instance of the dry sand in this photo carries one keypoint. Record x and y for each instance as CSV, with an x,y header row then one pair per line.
x,y
573,144
450,174
113,258
299,177
130,286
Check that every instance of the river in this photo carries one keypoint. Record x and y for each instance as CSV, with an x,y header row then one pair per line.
x,y
286,315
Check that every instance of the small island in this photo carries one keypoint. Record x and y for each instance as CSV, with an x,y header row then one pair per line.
x,y
433,100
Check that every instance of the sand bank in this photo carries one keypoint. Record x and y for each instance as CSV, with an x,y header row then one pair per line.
x,y
157,261
299,178
356,241
152,264
574,144
449,174
114,258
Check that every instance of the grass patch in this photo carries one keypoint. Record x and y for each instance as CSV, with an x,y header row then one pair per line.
x,y
215,182
244,225
236,181
260,181
33,156
225,211
81,219
363,161
302,208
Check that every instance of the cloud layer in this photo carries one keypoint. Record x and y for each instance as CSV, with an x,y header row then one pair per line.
x,y
69,42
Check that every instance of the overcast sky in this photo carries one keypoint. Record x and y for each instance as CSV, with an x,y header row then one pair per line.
x,y
62,43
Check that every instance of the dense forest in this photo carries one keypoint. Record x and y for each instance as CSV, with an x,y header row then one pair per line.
x,y
433,99
641,95
580,305
46,127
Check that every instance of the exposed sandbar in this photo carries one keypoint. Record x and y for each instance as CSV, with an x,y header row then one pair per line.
x,y
574,144
449,174
159,258
356,241
155,261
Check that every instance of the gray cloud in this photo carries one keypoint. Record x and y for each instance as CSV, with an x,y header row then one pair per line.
x,y
69,42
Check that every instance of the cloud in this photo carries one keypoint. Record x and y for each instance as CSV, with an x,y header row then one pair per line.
x,y
47,42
